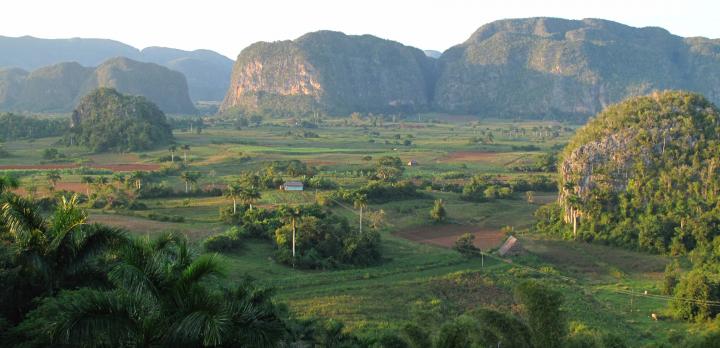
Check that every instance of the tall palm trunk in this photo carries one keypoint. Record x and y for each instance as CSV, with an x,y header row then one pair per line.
x,y
361,213
293,241
234,206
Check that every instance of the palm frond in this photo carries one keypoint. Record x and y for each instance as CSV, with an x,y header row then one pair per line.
x,y
67,218
86,317
92,241
205,266
20,216
207,323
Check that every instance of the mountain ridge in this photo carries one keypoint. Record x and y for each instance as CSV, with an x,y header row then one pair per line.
x,y
207,72
59,87
539,67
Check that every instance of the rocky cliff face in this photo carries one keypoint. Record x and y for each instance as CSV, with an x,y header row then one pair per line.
x,y
59,87
333,72
639,138
555,67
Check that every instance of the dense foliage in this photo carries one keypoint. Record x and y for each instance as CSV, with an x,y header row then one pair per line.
x,y
106,120
323,240
14,126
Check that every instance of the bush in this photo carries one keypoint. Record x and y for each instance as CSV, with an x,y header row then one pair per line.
x,y
230,240
166,218
465,244
438,213
700,285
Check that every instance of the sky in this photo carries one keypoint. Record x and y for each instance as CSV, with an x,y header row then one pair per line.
x,y
229,26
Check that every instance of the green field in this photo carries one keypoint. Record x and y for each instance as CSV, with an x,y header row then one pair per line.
x,y
415,280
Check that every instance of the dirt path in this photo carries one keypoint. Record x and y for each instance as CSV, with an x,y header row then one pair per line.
x,y
469,156
446,235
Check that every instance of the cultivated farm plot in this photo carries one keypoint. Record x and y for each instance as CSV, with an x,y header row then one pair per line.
x,y
144,227
446,235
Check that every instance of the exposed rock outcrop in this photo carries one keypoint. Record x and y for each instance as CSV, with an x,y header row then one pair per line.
x,y
333,72
554,67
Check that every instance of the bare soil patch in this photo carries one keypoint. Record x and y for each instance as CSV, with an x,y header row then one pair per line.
x,y
122,167
446,235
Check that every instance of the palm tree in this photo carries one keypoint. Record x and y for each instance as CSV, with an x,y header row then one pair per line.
x,y
172,150
291,214
361,202
55,253
53,177
189,178
186,149
233,191
162,296
137,177
249,195
102,180
119,179
87,180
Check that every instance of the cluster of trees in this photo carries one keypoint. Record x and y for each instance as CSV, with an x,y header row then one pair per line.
x,y
106,120
547,162
485,188
14,126
380,192
306,237
482,188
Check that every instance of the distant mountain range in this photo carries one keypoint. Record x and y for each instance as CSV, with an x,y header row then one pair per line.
x,y
530,68
534,67
207,72
59,87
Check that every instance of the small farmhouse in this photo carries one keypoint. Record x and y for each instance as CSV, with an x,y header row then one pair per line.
x,y
412,163
292,186
510,247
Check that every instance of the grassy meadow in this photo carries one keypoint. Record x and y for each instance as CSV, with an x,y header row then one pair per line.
x,y
420,277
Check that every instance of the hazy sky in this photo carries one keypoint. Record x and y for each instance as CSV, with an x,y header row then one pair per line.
x,y
229,26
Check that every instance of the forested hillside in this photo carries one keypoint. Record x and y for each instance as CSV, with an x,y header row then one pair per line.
x,y
106,120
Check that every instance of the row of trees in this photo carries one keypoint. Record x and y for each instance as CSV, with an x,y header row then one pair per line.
x,y
14,126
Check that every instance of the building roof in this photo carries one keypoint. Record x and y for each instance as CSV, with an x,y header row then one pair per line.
x,y
293,183
509,244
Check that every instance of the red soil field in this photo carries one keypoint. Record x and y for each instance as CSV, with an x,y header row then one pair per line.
x,y
446,235
125,167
